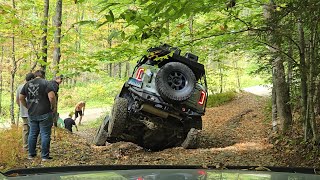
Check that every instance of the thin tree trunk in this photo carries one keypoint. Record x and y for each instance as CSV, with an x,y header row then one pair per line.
x,y
312,85
78,28
13,71
274,110
168,29
120,64
221,78
114,70
237,74
127,69
1,69
289,75
191,32
57,38
110,69
304,87
45,34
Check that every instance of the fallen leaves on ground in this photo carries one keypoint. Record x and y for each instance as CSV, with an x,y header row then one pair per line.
x,y
233,134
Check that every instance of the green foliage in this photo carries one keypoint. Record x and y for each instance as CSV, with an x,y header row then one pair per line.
x,y
96,94
215,100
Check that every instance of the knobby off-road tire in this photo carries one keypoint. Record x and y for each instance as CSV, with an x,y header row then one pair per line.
x,y
191,141
118,117
175,81
101,135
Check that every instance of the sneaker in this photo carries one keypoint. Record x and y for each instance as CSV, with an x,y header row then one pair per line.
x,y
31,157
47,159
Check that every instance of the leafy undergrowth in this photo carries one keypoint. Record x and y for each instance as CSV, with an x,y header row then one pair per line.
x,y
235,133
11,151
295,151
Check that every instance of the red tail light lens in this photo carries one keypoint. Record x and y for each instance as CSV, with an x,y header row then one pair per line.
x,y
139,74
202,172
202,98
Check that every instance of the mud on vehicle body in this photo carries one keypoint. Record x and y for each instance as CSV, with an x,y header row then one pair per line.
x,y
161,104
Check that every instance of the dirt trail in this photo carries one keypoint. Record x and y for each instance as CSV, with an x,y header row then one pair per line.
x,y
233,134
89,115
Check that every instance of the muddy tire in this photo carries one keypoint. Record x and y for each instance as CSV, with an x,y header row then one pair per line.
x,y
118,117
101,135
191,141
175,81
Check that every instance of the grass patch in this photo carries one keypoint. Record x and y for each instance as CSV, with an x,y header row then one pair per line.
x,y
221,98
11,151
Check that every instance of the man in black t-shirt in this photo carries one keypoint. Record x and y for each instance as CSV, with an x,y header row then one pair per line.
x,y
69,122
55,84
41,102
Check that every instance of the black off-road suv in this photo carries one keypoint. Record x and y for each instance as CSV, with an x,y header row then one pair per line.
x,y
161,105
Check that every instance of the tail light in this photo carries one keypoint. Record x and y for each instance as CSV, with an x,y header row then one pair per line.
x,y
139,74
202,98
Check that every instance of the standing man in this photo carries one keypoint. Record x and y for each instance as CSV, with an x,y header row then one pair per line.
x,y
41,102
79,110
55,84
24,113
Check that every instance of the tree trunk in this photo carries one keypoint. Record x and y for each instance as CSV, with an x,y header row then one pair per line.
x,y
1,69
191,32
168,29
312,85
120,64
221,78
282,95
45,34
114,70
78,28
304,87
13,71
237,74
289,74
279,81
127,73
57,38
110,69
274,106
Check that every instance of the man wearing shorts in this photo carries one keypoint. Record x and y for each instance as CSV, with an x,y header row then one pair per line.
x,y
79,110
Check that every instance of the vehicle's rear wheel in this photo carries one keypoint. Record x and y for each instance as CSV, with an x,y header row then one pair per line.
x,y
191,141
118,117
101,135
175,81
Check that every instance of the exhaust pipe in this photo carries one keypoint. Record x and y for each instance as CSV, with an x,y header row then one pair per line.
x,y
150,109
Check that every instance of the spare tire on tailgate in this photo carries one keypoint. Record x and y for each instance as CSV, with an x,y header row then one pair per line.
x,y
175,81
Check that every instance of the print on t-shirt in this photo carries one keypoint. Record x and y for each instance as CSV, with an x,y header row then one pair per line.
x,y
33,91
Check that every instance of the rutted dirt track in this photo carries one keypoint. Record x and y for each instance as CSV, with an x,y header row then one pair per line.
x,y
233,134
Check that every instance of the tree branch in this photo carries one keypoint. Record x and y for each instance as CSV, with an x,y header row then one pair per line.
x,y
219,34
279,50
72,26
